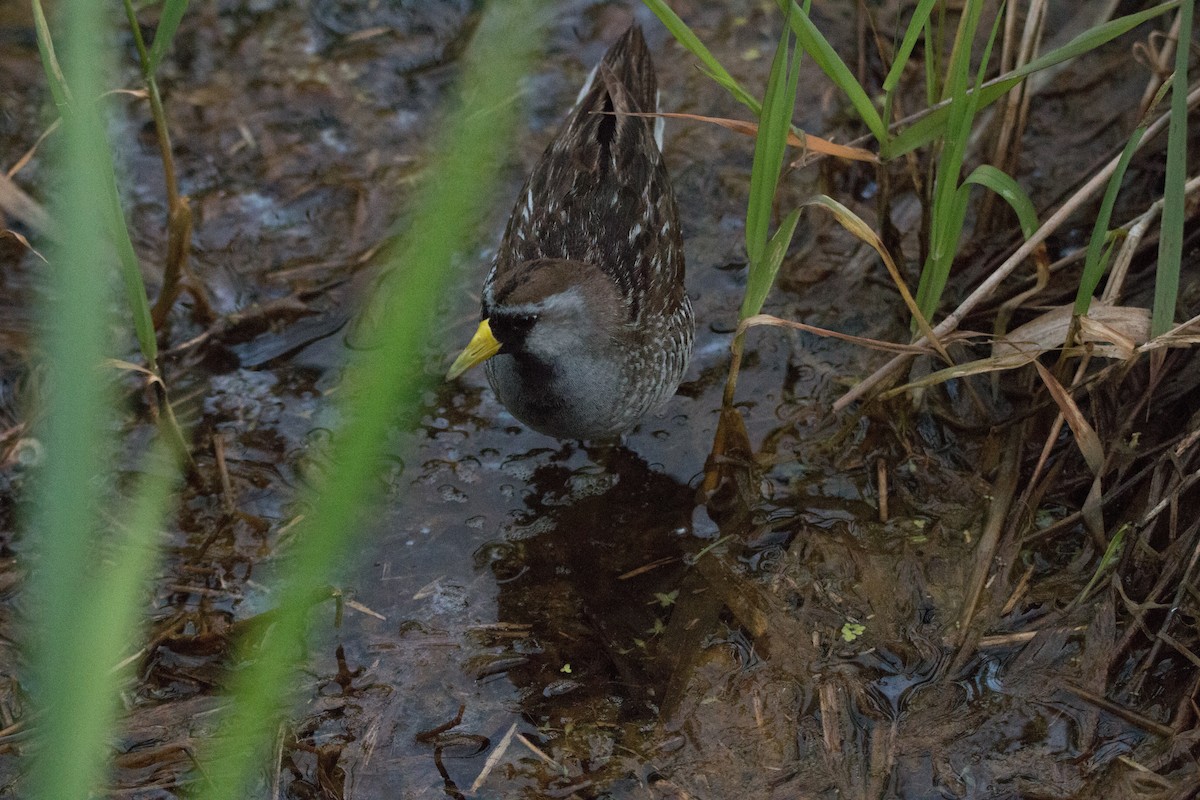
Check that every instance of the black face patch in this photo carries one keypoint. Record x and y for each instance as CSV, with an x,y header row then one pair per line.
x,y
510,330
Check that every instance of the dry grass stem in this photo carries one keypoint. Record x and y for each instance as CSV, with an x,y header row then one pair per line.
x,y
1006,151
802,140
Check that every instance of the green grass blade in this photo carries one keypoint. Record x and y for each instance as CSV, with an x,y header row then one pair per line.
x,y
767,267
769,147
948,207
131,272
1170,242
111,621
1094,265
929,127
911,34
168,24
1010,192
832,65
709,63
75,712
381,382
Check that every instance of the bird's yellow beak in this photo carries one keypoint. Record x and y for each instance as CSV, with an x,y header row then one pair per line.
x,y
482,347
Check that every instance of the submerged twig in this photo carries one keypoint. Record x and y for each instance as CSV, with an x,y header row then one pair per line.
x,y
494,758
1003,491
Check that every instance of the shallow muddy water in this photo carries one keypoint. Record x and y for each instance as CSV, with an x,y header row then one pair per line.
x,y
582,607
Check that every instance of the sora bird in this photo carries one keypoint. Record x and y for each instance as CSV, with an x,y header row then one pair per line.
x,y
586,325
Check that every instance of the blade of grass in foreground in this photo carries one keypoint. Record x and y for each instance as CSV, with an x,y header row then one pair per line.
x,y
380,383
131,271
73,691
71,744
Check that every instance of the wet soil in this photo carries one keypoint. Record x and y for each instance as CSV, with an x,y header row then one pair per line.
x,y
583,607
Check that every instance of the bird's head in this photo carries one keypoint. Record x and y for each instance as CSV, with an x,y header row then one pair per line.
x,y
545,310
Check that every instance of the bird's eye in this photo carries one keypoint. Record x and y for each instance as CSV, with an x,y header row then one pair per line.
x,y
511,329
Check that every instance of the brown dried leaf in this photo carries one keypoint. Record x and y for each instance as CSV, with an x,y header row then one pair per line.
x,y
1115,331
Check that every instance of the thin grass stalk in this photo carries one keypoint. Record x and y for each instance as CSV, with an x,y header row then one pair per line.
x,y
380,383
1094,264
179,212
130,266
55,79
157,111
1170,242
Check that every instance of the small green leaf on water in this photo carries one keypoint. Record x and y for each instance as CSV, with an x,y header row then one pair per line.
x,y
566,669
852,630
666,599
